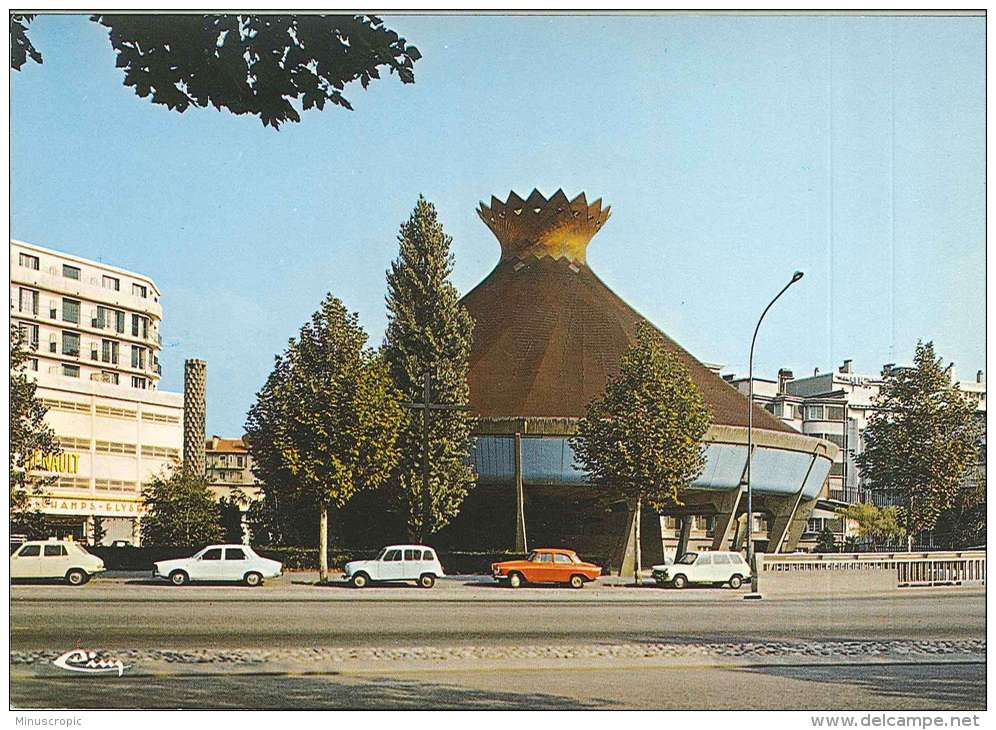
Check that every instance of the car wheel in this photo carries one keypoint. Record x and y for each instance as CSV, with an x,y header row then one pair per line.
x,y
679,581
577,581
253,579
360,580
179,578
76,577
515,580
428,580
736,581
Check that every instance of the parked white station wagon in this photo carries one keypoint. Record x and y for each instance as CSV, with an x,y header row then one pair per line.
x,y
219,563
713,567
55,559
395,563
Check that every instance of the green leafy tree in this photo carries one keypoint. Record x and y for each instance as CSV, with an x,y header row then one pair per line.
x,y
429,331
230,508
641,441
921,441
876,525
326,422
264,65
180,510
29,436
826,541
963,524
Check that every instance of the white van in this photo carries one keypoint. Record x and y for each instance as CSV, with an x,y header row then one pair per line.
x,y
396,563
716,568
48,559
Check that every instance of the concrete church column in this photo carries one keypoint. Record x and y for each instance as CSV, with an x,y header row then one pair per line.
x,y
626,557
726,519
740,537
797,524
520,500
784,513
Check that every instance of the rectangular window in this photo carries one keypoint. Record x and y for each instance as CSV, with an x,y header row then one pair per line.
x,y
27,301
835,413
71,311
71,344
108,377
29,334
71,272
33,364
138,357
28,261
137,382
71,371
119,322
109,282
109,351
814,413
139,291
836,469
139,326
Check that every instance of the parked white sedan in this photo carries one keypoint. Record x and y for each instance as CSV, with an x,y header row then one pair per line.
x,y
713,567
48,559
396,563
219,563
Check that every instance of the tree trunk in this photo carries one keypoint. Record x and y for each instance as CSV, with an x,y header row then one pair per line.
x,y
323,543
638,563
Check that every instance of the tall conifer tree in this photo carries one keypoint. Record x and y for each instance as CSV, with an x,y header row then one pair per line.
x,y
429,331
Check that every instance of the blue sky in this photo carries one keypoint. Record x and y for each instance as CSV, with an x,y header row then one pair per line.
x,y
733,150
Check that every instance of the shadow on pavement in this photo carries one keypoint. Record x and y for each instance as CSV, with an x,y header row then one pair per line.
x,y
275,693
959,686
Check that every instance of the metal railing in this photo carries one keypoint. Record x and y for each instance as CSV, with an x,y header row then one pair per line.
x,y
912,569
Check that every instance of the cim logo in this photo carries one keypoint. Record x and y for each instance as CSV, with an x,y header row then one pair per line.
x,y
64,463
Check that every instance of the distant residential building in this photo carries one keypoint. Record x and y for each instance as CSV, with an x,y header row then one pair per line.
x,y
93,334
229,467
835,406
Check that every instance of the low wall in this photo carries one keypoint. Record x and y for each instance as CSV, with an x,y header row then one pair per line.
x,y
826,582
835,573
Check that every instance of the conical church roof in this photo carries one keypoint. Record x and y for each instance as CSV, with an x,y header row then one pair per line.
x,y
548,332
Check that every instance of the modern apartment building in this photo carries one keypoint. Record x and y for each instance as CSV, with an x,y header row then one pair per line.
x,y
94,332
836,407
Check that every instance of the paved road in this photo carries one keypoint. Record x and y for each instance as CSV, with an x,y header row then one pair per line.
x,y
829,687
288,614
222,631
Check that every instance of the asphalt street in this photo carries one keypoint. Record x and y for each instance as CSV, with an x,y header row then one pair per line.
x,y
468,644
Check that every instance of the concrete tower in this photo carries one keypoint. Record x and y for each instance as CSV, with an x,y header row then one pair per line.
x,y
194,409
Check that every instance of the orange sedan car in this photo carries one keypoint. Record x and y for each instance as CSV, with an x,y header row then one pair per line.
x,y
547,565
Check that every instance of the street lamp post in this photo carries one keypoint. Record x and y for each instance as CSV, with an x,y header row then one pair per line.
x,y
750,435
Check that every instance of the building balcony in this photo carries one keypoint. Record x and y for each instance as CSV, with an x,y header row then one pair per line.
x,y
51,280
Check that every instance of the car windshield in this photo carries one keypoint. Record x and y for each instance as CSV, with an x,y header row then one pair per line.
x,y
687,559
381,554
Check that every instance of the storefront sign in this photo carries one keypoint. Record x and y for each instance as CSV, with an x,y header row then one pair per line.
x,y
97,507
64,463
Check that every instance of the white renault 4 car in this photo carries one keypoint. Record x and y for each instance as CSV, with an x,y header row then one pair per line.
x,y
55,559
395,563
716,568
238,563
